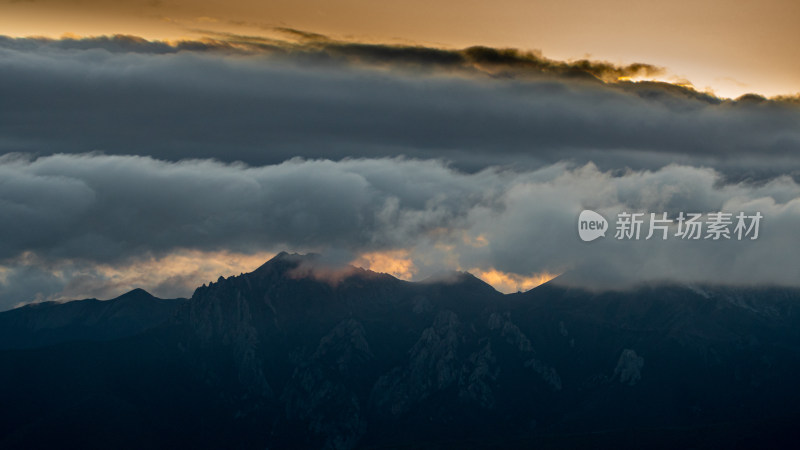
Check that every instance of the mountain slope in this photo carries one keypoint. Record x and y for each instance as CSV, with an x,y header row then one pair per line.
x,y
43,324
300,354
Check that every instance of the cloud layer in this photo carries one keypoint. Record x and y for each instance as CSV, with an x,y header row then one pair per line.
x,y
84,214
263,101
118,154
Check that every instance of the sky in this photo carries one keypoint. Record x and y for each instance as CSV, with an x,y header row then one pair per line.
x,y
161,145
731,47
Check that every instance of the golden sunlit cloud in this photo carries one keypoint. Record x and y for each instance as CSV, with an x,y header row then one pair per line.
x,y
396,263
400,264
174,275
194,266
511,282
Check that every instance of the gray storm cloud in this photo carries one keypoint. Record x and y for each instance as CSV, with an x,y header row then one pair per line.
x,y
83,210
117,150
265,103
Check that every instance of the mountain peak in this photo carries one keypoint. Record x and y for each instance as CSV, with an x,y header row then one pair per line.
x,y
460,278
136,294
287,260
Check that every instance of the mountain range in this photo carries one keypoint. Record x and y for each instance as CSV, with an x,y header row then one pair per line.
x,y
300,355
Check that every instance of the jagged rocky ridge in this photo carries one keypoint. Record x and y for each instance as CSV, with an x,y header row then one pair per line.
x,y
296,354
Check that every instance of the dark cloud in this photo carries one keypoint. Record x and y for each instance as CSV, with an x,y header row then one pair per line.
x,y
118,43
175,101
519,63
103,208
70,213
118,150
503,62
304,35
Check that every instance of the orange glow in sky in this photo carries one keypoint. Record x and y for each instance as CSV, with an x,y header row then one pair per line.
x,y
186,269
183,271
510,282
730,47
396,263
400,264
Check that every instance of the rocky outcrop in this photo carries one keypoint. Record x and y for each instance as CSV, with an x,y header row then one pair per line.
x,y
629,367
321,391
515,337
433,365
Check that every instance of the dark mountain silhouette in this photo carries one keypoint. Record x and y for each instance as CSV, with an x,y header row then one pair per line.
x,y
298,354
47,323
